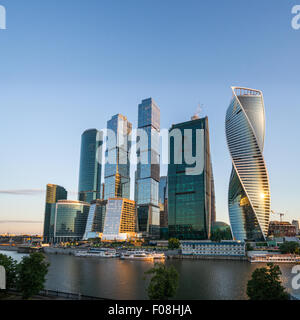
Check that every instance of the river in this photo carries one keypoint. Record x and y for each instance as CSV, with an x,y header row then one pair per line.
x,y
124,279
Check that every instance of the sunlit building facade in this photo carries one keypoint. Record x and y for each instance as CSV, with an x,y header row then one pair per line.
x,y
117,167
53,194
190,194
249,190
89,188
120,220
68,221
148,174
95,220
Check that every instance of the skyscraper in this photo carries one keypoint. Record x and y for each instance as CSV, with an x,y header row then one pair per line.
x,y
249,190
163,206
53,194
117,167
90,166
95,220
120,220
68,220
190,186
148,174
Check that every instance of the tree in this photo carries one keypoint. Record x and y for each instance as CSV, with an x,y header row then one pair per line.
x,y
10,266
173,243
248,247
164,282
265,284
289,247
32,272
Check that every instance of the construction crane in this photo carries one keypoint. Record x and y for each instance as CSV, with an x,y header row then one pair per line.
x,y
278,213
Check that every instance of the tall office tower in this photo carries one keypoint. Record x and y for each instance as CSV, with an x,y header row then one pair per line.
x,y
68,220
120,220
163,206
249,190
53,194
148,169
90,166
117,167
95,221
190,186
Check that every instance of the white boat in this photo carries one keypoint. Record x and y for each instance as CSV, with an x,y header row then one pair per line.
x,y
99,253
275,258
159,256
137,255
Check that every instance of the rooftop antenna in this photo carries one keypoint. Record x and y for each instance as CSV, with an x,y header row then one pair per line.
x,y
198,112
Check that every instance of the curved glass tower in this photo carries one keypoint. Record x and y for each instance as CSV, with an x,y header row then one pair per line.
x,y
249,190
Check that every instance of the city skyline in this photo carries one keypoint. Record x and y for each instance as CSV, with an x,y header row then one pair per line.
x,y
178,78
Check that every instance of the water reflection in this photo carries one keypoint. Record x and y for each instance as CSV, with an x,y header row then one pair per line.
x,y
124,279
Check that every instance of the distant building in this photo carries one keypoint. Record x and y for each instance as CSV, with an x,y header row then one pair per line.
x,y
120,220
296,224
68,221
219,225
53,194
95,220
191,208
281,229
89,188
208,248
117,168
148,174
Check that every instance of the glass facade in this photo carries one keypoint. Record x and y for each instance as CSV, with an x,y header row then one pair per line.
x,y
117,167
90,166
53,194
120,220
148,174
70,219
190,196
95,220
163,206
249,191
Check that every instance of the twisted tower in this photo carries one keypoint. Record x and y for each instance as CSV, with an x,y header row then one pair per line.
x,y
249,190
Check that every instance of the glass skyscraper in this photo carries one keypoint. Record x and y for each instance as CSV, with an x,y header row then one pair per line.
x,y
117,167
190,191
120,220
163,206
148,174
53,194
95,221
68,221
249,190
90,166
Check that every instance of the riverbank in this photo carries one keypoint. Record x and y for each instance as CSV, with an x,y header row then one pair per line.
x,y
8,248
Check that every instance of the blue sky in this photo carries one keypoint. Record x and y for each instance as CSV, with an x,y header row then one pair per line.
x,y
69,65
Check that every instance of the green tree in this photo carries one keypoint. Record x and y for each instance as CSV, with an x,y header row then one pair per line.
x,y
10,266
32,272
173,243
289,247
265,284
164,282
248,247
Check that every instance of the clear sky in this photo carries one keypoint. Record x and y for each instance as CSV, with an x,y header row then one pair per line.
x,y
69,65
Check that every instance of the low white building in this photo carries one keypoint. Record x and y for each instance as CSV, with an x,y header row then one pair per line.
x,y
209,248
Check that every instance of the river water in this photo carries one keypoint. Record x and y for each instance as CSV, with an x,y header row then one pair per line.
x,y
124,279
